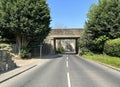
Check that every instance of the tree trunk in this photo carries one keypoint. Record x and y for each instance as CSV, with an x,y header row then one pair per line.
x,y
25,42
18,41
21,41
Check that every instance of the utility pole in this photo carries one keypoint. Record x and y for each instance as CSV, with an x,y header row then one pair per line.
x,y
40,50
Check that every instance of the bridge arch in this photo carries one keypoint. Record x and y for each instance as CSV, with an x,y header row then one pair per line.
x,y
59,34
67,38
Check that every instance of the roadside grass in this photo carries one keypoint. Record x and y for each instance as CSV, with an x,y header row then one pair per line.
x,y
113,61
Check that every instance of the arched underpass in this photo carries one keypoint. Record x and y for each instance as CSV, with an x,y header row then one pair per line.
x,y
69,44
63,34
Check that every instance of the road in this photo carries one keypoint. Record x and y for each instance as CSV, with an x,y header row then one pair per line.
x,y
67,71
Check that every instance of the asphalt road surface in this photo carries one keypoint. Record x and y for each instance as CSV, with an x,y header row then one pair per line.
x,y
67,71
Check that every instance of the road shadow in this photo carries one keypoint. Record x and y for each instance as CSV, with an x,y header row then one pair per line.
x,y
53,56
50,56
69,53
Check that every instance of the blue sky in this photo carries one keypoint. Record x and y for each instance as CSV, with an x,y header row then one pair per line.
x,y
69,13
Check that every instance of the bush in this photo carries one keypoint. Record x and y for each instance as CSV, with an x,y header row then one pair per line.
x,y
98,44
24,53
112,47
7,47
84,51
60,50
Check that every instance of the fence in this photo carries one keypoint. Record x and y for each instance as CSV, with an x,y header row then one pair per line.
x,y
46,49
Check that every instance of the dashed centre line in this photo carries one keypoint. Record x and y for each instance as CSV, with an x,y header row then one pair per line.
x,y
67,61
68,75
67,57
67,64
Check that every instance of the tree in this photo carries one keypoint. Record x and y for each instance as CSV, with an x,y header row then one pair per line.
x,y
25,21
103,23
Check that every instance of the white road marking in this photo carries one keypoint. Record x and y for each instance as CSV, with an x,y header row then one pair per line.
x,y
67,57
67,64
68,77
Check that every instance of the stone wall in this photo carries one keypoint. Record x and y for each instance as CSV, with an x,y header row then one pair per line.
x,y
72,32
55,34
6,63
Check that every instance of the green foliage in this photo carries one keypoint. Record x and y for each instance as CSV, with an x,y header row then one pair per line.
x,y
24,52
7,47
1,39
84,51
99,43
24,21
112,47
102,24
59,50
83,44
113,61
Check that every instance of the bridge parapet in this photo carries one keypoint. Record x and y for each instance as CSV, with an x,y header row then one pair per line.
x,y
62,34
65,32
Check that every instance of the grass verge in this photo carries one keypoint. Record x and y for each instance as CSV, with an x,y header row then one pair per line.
x,y
113,61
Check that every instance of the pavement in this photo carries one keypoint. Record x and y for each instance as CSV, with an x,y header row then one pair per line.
x,y
66,71
88,73
23,65
61,71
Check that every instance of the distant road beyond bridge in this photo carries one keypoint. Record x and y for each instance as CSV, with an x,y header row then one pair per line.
x,y
67,38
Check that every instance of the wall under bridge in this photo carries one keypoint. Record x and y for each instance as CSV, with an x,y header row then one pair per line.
x,y
63,34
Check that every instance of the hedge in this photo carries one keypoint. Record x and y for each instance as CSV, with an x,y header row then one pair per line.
x,y
4,46
112,47
59,50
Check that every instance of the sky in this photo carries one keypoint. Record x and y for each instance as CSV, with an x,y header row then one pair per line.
x,y
69,13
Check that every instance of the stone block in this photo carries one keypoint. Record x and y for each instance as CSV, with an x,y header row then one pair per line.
x,y
6,63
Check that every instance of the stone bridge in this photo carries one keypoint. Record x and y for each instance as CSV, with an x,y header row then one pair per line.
x,y
62,37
